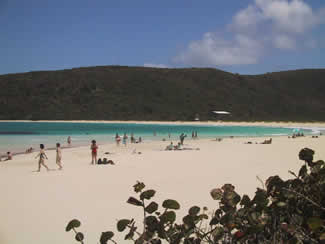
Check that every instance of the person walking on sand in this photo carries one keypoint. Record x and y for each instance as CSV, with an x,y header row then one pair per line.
x,y
93,149
58,155
69,141
42,156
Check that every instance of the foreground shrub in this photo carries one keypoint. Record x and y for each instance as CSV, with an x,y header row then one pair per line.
x,y
289,211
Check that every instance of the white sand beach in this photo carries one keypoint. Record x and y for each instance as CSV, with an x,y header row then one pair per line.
x,y
35,207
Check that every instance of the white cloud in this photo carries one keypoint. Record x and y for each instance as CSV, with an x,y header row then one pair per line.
x,y
284,42
288,16
214,50
155,65
246,20
263,25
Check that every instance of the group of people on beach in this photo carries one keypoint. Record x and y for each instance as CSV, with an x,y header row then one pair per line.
x,y
171,146
179,145
194,134
42,156
125,139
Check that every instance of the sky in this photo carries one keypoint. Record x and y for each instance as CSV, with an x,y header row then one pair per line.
x,y
239,36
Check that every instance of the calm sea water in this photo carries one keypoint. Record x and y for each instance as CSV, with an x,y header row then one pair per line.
x,y
18,136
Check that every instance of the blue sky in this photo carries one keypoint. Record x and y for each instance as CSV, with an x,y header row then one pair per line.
x,y
240,36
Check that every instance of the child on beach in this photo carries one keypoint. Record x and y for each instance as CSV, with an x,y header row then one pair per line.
x,y
42,156
93,149
58,155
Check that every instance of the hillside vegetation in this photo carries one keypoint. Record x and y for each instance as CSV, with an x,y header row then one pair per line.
x,y
139,93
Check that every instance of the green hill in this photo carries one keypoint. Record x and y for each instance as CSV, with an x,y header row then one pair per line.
x,y
139,93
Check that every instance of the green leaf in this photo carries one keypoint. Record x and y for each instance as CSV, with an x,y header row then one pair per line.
x,y
151,220
214,221
171,204
317,166
139,186
315,223
216,194
73,224
228,187
218,233
106,236
203,216
307,155
260,197
245,201
152,207
122,224
189,221
152,223
147,194
281,204
169,216
140,240
303,171
134,201
155,241
79,237
193,211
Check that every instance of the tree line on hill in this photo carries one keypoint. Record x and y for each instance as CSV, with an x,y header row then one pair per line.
x,y
140,93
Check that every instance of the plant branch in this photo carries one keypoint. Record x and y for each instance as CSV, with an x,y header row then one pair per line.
x,y
306,198
144,216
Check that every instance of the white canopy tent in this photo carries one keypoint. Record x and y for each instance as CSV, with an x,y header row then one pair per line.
x,y
220,112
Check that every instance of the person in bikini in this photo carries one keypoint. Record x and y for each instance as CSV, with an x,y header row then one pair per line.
x,y
42,156
93,149
58,155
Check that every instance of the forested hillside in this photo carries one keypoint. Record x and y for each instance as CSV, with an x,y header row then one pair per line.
x,y
139,93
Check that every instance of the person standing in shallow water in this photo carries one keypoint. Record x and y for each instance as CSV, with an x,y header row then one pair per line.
x,y
117,139
58,155
42,156
125,137
93,149
182,137
69,140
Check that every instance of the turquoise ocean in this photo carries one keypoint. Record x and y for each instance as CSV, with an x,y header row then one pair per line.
x,y
18,136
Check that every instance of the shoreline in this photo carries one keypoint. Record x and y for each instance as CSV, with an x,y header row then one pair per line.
x,y
313,127
209,122
160,140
